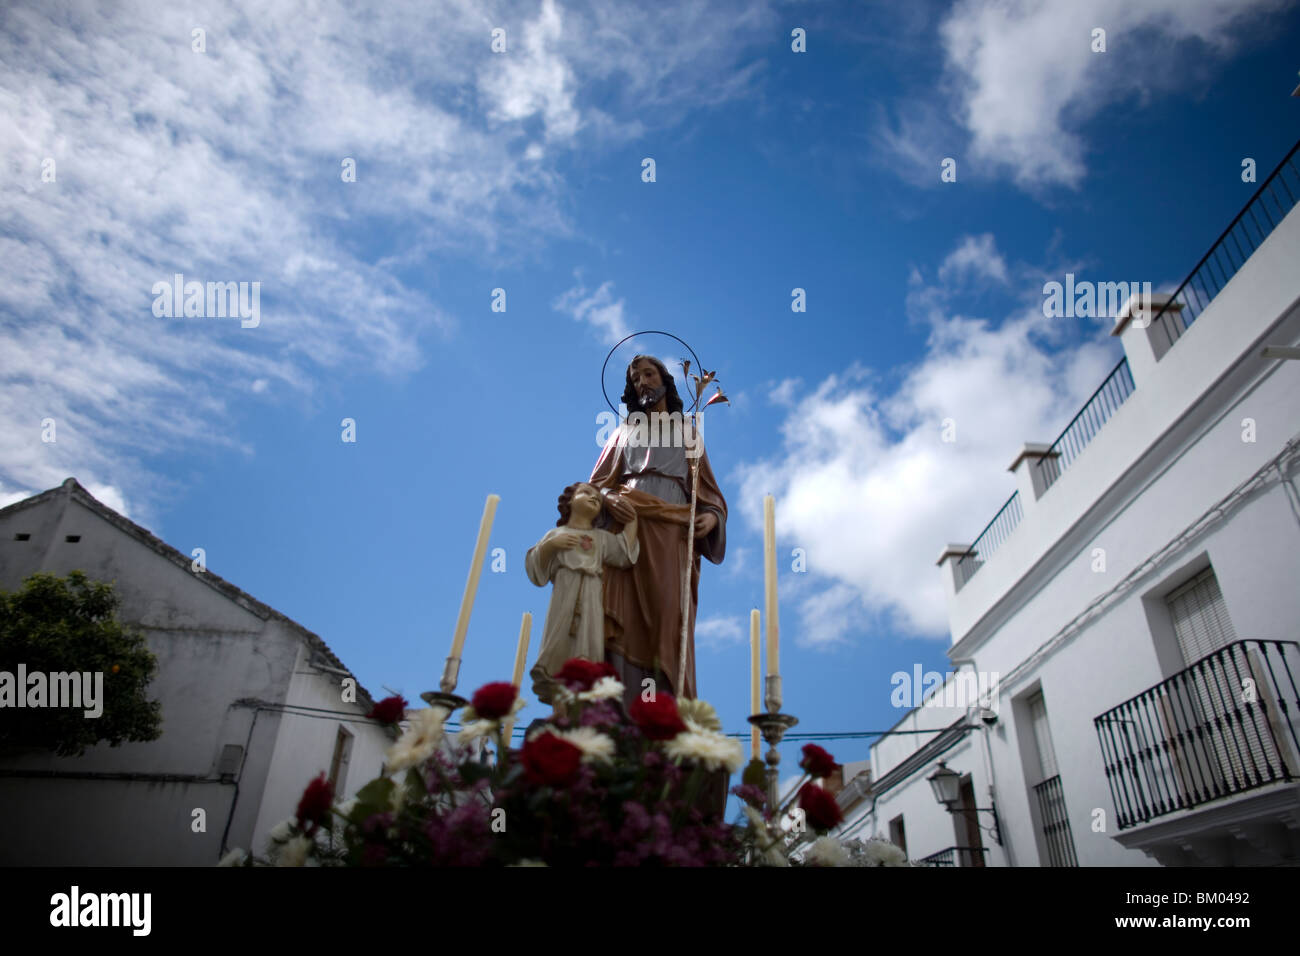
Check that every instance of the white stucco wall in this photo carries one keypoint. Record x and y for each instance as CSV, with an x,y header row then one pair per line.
x,y
1158,465
212,652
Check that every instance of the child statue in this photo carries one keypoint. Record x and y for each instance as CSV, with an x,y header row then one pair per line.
x,y
572,557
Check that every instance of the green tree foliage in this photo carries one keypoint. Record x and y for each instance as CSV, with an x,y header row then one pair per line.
x,y
59,625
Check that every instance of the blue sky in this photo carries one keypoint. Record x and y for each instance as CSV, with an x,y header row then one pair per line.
x,y
522,170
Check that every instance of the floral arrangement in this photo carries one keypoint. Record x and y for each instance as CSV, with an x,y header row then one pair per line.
x,y
594,785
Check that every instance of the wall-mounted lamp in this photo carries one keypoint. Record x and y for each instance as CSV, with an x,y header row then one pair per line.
x,y
947,790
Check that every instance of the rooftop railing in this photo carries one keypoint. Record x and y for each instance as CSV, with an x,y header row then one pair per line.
x,y
990,539
1275,197
1084,426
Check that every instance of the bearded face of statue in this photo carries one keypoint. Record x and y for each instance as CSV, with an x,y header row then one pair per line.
x,y
650,387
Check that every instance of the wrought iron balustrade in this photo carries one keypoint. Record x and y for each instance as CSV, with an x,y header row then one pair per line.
x,y
1055,823
1117,387
990,539
957,856
1225,725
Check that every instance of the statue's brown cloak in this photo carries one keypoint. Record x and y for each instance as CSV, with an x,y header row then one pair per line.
x,y
643,603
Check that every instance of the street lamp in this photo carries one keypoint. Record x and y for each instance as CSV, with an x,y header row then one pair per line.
x,y
946,785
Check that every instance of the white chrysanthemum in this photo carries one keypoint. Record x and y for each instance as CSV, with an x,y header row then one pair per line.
x,y
712,751
235,857
294,853
419,741
884,853
475,729
347,806
282,831
699,715
607,688
594,745
826,851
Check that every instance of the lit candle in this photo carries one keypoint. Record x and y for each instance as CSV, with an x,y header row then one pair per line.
x,y
769,582
753,679
475,569
521,652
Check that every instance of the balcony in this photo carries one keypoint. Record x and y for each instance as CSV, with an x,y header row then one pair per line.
x,y
1224,726
956,856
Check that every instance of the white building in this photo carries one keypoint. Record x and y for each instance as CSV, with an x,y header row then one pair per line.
x,y
253,707
1138,598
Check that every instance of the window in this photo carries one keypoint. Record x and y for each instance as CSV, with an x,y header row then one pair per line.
x,y
1054,821
1210,703
897,835
1200,617
342,756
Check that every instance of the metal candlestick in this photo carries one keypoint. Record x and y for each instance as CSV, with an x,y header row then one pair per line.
x,y
773,727
445,697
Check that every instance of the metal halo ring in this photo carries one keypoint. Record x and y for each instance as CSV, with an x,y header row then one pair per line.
x,y
605,364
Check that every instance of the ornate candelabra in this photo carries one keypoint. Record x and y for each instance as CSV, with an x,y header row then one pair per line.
x,y
772,725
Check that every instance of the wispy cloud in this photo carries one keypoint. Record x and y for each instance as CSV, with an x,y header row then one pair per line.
x,y
136,148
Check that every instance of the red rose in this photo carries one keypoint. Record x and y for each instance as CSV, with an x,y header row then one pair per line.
x,y
494,701
314,807
817,761
579,674
389,710
657,717
550,760
820,808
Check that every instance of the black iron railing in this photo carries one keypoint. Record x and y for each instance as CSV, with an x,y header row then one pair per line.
x,y
1225,725
957,856
1275,197
1055,823
990,539
1084,426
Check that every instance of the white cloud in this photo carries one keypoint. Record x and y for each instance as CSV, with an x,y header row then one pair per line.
x,y
977,256
599,309
1023,79
868,487
720,630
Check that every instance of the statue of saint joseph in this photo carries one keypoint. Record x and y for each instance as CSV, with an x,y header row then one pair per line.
x,y
643,602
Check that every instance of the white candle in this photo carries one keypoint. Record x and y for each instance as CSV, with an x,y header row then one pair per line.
x,y
769,582
753,679
521,651
475,569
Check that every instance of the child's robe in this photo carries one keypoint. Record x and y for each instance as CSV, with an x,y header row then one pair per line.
x,y
575,620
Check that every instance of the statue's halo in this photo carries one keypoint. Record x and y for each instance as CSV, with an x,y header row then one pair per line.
x,y
605,365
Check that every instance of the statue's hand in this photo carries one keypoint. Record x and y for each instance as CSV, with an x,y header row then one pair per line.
x,y
566,540
620,508
705,522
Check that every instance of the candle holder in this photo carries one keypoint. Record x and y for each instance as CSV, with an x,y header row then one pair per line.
x,y
445,697
772,693
773,727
